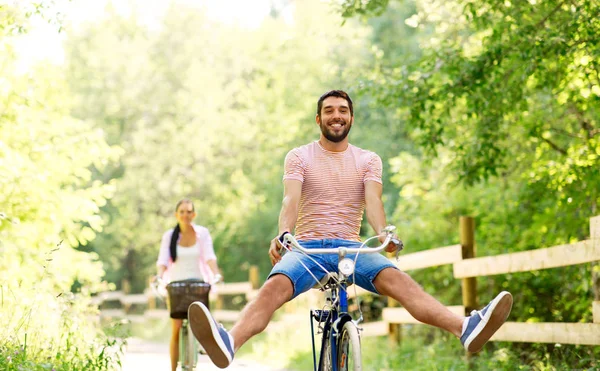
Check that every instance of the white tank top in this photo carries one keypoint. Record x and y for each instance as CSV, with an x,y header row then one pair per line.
x,y
187,264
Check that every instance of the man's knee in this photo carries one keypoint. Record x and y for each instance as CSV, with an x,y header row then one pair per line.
x,y
278,289
388,279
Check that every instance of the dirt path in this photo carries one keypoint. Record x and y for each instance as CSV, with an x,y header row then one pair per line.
x,y
151,356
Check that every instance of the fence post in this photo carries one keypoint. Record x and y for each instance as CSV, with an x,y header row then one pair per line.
x,y
469,284
126,289
394,329
595,237
467,242
254,277
125,286
219,301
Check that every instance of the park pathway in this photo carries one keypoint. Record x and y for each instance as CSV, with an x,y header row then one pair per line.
x,y
153,356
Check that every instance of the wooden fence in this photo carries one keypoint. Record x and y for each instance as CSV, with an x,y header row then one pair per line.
x,y
466,267
151,302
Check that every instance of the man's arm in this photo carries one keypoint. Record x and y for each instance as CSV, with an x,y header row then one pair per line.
x,y
292,190
374,206
375,211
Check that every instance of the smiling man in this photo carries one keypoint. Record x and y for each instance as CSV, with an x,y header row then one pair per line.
x,y
328,184
335,117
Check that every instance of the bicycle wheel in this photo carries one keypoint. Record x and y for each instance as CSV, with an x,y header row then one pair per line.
x,y
348,352
187,349
192,349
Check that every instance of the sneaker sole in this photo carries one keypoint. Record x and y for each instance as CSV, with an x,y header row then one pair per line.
x,y
207,333
496,315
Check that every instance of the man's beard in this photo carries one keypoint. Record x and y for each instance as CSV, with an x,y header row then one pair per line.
x,y
333,137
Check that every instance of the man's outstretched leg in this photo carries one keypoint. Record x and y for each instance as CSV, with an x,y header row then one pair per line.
x,y
473,331
219,344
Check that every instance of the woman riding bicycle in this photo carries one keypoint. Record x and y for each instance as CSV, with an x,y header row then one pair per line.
x,y
186,252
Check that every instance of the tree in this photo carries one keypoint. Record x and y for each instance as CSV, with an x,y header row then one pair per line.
x,y
49,205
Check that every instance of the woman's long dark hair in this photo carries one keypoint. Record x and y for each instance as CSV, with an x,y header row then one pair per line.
x,y
175,236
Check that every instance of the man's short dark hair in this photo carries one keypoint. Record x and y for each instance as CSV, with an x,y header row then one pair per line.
x,y
334,93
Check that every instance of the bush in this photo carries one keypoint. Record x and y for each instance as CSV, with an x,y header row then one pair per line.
x,y
43,331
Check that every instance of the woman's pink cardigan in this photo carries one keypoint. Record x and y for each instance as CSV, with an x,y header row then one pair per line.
x,y
206,251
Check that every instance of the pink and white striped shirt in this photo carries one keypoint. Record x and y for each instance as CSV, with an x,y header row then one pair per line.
x,y
333,189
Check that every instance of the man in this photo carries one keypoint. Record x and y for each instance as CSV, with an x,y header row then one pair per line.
x,y
327,186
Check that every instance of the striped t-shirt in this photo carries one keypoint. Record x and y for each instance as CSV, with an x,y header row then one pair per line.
x,y
333,189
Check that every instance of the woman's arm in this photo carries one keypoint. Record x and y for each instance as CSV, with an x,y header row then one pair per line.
x,y
214,267
208,256
162,263
160,270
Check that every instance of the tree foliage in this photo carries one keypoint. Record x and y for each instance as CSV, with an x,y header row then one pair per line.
x,y
49,205
211,115
503,103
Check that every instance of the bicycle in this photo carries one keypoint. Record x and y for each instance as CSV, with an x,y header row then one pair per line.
x,y
340,332
180,294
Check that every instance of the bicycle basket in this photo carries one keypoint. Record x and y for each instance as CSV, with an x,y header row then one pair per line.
x,y
184,293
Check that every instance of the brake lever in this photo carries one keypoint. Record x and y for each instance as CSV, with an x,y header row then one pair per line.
x,y
400,246
282,248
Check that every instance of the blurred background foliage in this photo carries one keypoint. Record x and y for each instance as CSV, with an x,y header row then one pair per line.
x,y
477,107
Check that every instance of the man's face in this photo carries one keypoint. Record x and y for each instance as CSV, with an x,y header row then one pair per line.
x,y
335,120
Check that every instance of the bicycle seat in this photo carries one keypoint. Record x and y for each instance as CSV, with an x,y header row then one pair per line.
x,y
329,277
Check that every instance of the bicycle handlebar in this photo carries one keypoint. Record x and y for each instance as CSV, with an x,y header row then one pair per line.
x,y
158,281
289,240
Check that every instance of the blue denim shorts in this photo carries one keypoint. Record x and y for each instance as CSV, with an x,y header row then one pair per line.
x,y
367,267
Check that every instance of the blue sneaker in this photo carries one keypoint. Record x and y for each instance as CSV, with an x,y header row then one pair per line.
x,y
482,324
215,340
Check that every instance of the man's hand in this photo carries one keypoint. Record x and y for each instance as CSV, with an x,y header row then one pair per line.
x,y
392,246
274,249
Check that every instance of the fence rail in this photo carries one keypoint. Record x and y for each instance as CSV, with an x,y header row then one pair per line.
x,y
149,298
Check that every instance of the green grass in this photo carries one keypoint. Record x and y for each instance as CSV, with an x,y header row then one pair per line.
x,y
44,331
68,352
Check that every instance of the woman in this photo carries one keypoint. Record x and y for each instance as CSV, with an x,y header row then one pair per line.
x,y
186,251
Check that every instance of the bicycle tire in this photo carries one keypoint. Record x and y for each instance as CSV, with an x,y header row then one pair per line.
x,y
187,352
348,353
